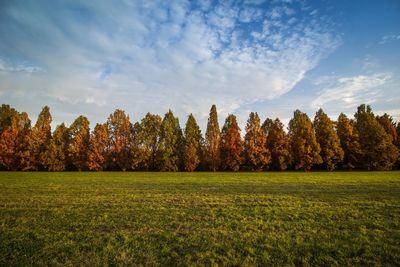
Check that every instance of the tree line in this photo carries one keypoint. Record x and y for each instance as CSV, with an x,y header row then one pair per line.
x,y
365,142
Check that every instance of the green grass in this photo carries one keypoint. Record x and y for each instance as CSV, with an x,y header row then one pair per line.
x,y
342,218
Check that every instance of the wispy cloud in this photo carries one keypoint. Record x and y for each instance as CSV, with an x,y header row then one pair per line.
x,y
154,55
22,67
389,38
348,92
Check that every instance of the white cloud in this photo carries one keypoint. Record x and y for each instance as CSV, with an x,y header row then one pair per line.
x,y
164,55
348,92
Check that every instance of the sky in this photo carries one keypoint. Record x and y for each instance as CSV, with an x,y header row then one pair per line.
x,y
267,56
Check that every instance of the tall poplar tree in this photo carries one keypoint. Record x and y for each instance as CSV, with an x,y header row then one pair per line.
x,y
98,148
379,153
231,145
192,151
257,155
303,143
170,145
146,141
331,151
278,144
78,145
349,141
120,134
212,141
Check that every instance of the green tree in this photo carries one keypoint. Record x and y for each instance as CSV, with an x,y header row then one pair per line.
x,y
57,151
379,153
349,142
278,144
78,145
331,151
170,145
147,135
192,151
98,148
120,132
231,145
257,155
303,143
212,141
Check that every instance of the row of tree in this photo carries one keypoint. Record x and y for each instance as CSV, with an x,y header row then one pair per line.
x,y
159,144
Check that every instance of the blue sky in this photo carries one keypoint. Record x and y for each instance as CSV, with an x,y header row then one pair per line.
x,y
91,57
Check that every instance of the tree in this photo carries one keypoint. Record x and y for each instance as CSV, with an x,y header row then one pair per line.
x,y
121,138
389,125
303,143
231,145
349,141
12,138
170,145
7,114
8,147
147,135
212,141
398,144
78,145
331,151
278,144
257,155
57,151
192,145
98,148
34,150
379,153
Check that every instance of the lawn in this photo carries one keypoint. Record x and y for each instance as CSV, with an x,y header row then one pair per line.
x,y
293,218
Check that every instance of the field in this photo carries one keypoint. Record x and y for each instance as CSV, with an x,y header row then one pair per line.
x,y
342,218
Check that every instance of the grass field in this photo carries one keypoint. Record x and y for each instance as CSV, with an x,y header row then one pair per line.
x,y
342,218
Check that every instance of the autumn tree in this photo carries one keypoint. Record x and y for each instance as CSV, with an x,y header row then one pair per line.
x,y
379,153
278,144
389,125
146,140
331,151
212,141
349,142
257,155
7,116
34,151
56,154
120,138
98,148
170,145
303,143
78,145
231,145
15,128
192,151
